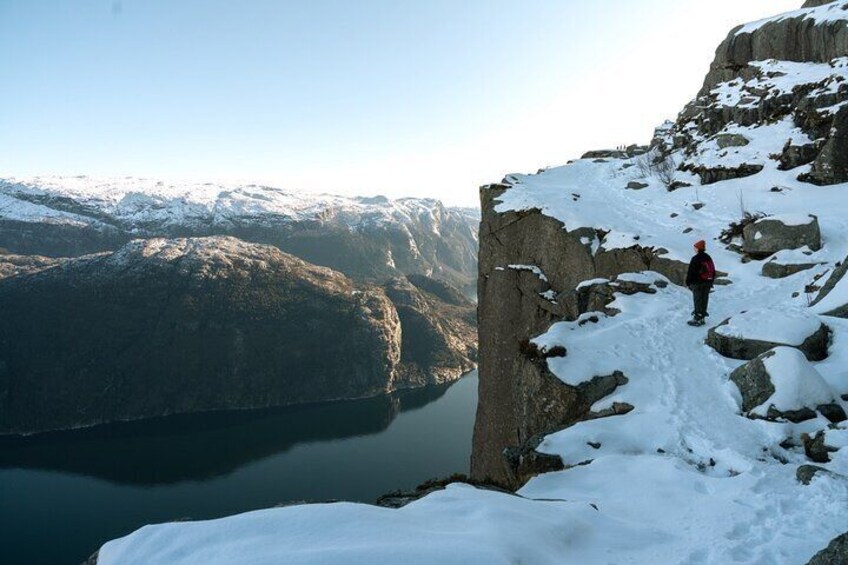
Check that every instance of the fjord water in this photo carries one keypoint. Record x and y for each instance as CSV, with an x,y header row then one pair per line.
x,y
63,495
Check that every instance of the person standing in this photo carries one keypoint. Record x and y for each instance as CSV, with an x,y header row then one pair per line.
x,y
699,279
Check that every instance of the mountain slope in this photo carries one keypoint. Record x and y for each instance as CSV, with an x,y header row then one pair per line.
x,y
366,238
167,326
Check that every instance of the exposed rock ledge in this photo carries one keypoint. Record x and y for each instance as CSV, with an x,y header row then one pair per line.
x,y
519,398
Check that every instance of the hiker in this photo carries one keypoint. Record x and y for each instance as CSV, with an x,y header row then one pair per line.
x,y
700,279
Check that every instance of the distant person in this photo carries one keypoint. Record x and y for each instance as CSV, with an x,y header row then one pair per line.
x,y
699,279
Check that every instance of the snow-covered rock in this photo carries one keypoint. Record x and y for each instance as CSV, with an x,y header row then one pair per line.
x,y
836,552
781,383
787,263
777,233
755,331
832,299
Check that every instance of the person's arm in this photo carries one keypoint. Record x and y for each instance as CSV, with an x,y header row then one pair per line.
x,y
692,273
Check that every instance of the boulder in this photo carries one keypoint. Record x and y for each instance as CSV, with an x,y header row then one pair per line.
x,y
776,270
781,383
831,165
833,412
805,473
725,140
753,332
636,185
815,447
711,175
832,299
836,552
796,155
776,233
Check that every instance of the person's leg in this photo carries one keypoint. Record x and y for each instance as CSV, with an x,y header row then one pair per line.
x,y
694,302
702,292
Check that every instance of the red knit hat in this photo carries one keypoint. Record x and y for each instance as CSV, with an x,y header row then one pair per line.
x,y
700,245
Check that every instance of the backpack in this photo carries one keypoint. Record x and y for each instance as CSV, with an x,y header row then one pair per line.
x,y
707,271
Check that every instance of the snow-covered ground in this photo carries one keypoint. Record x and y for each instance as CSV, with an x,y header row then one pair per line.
x,y
683,478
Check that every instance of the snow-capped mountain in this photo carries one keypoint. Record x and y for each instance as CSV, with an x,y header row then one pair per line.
x,y
367,238
627,435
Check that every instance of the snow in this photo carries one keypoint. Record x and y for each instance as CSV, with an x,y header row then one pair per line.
x,y
682,478
591,282
791,219
532,268
796,382
764,141
138,203
460,525
646,277
789,327
826,14
801,256
548,295
778,78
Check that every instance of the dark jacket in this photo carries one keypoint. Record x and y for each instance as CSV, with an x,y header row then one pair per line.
x,y
701,269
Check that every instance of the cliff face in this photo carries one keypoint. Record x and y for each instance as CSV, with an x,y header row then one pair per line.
x,y
530,268
807,35
773,108
187,325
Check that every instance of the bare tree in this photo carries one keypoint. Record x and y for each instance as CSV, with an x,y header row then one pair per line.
x,y
658,163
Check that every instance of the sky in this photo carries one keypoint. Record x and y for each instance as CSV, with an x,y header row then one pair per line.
x,y
397,97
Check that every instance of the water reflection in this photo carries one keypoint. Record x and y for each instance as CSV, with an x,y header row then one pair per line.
x,y
203,446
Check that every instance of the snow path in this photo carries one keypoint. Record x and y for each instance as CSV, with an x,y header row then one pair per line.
x,y
716,485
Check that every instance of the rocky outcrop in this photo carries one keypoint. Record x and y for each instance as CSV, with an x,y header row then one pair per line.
x,y
750,334
778,270
438,342
752,380
11,265
710,175
795,37
836,552
835,309
789,371
831,165
757,80
187,325
767,236
523,287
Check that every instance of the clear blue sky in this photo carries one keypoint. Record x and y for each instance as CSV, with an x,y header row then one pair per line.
x,y
425,98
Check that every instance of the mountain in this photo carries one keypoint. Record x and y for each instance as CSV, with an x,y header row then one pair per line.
x,y
625,434
369,239
167,326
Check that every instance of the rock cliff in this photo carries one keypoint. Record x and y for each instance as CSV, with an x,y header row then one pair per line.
x,y
187,325
773,100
